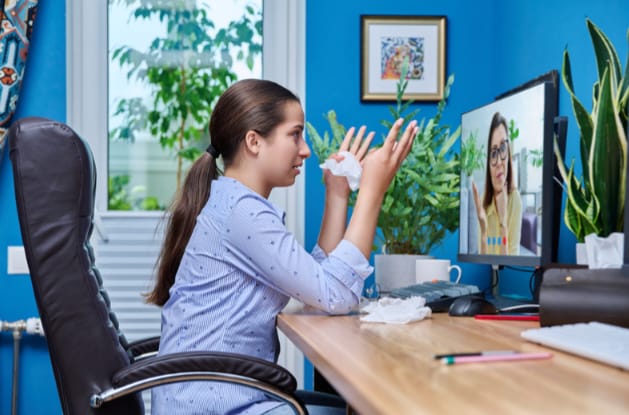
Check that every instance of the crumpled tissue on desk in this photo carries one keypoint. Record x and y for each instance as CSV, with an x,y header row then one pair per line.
x,y
395,310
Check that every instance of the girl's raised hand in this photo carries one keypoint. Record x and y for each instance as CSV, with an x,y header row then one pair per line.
x,y
358,147
380,165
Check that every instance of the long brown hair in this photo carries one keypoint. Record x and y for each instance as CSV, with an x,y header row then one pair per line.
x,y
250,104
496,121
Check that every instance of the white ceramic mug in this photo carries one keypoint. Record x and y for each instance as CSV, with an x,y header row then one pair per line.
x,y
435,269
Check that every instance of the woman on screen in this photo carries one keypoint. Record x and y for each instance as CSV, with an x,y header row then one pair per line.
x,y
500,214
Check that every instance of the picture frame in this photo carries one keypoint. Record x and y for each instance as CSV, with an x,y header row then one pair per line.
x,y
386,40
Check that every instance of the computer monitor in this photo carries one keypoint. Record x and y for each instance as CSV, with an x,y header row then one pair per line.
x,y
509,200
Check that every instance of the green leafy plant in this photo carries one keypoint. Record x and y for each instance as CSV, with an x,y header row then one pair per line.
x,y
472,155
120,197
421,205
595,203
514,132
536,156
188,69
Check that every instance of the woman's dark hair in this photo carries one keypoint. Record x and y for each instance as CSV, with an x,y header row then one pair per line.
x,y
250,104
496,121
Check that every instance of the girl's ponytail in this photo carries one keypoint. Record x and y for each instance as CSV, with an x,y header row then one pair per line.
x,y
183,215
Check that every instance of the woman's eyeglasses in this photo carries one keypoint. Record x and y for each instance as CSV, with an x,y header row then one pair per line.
x,y
502,150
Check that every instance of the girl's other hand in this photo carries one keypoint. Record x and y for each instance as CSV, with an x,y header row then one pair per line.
x,y
380,165
480,210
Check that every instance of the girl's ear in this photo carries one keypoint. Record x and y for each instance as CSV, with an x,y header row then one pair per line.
x,y
252,142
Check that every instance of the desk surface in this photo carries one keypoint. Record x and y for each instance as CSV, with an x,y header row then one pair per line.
x,y
390,369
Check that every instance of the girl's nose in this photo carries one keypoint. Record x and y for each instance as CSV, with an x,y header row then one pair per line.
x,y
304,150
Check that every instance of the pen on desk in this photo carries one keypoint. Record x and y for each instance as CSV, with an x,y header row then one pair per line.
x,y
484,353
517,317
455,360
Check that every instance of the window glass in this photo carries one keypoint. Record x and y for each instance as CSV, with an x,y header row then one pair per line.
x,y
169,61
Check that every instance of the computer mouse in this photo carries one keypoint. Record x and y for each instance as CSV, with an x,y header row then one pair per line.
x,y
470,306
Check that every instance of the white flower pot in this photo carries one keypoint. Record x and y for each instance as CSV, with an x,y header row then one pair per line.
x,y
582,258
395,270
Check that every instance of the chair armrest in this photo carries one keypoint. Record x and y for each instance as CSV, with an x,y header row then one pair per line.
x,y
249,371
143,347
217,362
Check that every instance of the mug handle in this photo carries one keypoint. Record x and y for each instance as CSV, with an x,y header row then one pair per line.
x,y
458,269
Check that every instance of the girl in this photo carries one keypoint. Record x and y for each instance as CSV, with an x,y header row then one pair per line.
x,y
228,265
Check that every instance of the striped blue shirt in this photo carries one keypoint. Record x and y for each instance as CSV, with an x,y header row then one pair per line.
x,y
238,271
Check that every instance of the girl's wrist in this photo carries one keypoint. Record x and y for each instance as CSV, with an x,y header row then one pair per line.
x,y
333,197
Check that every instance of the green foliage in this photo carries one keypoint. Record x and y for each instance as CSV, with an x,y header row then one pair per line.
x,y
472,155
121,198
187,70
595,202
536,156
117,192
421,205
514,132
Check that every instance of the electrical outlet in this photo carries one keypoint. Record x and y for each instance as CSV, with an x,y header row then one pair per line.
x,y
16,260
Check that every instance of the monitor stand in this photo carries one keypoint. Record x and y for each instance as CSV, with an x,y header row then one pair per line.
x,y
501,301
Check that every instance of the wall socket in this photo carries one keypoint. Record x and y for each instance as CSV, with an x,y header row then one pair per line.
x,y
16,260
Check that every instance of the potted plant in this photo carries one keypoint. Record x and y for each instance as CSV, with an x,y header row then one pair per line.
x,y
420,206
595,202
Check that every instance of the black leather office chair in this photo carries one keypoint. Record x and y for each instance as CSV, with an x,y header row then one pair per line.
x,y
97,371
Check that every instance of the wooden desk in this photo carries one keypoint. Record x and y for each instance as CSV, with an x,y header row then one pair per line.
x,y
389,369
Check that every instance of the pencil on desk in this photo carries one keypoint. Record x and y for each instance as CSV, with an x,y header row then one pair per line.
x,y
455,360
515,317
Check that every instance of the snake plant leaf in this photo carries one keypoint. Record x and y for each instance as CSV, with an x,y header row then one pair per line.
x,y
584,120
573,221
624,84
596,205
604,51
581,207
606,156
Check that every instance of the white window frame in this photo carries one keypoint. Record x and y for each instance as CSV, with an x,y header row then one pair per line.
x,y
87,63
283,62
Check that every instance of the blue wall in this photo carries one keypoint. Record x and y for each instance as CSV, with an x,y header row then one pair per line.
x,y
492,46
43,93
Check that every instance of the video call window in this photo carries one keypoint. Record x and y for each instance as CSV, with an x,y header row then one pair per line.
x,y
501,176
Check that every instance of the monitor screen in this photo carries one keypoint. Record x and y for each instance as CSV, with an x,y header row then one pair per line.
x,y
507,193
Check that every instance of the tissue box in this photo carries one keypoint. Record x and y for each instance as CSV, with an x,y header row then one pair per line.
x,y
575,295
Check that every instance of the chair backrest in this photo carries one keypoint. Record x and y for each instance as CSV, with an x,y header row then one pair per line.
x,y
55,178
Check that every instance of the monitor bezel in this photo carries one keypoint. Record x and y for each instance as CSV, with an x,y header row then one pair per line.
x,y
551,189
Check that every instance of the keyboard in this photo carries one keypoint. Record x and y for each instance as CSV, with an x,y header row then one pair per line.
x,y
438,294
597,341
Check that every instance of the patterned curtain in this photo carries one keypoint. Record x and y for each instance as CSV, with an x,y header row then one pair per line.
x,y
16,27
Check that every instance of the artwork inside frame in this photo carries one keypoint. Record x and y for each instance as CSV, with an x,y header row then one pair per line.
x,y
386,41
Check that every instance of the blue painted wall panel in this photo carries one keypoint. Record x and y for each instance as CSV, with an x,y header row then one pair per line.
x,y
44,94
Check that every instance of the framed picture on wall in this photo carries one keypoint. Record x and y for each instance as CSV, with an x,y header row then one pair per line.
x,y
386,41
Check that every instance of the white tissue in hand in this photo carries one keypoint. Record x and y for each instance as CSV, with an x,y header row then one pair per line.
x,y
396,310
348,167
604,252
